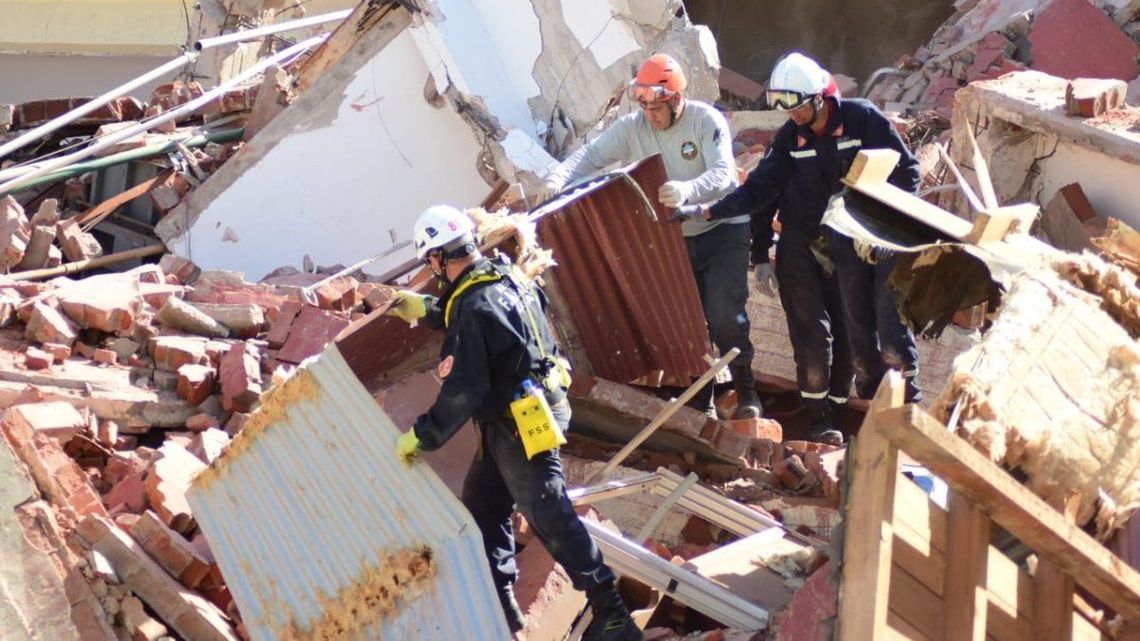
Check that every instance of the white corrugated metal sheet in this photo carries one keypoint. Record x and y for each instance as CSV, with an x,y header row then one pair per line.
x,y
309,510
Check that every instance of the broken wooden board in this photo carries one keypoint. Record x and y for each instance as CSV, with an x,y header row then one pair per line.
x,y
743,567
1046,392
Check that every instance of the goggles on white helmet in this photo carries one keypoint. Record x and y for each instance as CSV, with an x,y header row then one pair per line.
x,y
786,100
440,227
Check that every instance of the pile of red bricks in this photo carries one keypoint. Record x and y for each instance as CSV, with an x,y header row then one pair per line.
x,y
130,553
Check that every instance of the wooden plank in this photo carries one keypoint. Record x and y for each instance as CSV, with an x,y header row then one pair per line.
x,y
1010,613
1052,603
964,594
367,15
915,604
739,567
916,208
872,166
993,225
873,465
1013,506
96,214
900,630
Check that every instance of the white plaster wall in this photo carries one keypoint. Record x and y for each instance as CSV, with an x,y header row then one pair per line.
x,y
340,193
1110,184
598,28
32,76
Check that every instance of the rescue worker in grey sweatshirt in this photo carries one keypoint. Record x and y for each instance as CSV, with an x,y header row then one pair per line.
x,y
694,141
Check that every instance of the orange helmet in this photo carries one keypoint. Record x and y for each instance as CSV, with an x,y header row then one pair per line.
x,y
659,78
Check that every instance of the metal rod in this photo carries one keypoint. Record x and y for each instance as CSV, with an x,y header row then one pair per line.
x,y
670,408
168,116
90,263
95,103
307,291
253,34
157,149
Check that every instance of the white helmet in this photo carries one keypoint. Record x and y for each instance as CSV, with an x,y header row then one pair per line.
x,y
795,80
439,226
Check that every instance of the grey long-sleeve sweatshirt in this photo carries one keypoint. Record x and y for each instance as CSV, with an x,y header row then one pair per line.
x,y
696,149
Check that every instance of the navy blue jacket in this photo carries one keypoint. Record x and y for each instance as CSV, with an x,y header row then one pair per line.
x,y
801,172
490,317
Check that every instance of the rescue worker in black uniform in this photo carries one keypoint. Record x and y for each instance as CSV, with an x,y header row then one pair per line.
x,y
498,344
801,170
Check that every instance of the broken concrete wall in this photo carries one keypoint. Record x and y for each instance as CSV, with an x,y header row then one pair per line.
x,y
1033,148
434,114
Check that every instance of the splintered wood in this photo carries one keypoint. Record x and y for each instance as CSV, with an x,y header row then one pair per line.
x,y
1054,391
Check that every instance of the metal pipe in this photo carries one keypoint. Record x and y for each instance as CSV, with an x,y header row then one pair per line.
x,y
253,34
95,103
157,149
168,116
80,265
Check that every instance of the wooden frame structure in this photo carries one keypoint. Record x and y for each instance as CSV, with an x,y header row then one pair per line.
x,y
913,570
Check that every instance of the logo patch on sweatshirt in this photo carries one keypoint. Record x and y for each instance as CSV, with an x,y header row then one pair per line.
x,y
688,150
445,366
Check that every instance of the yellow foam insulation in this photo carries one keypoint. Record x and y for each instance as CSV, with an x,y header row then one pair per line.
x,y
1120,243
398,577
276,403
495,227
1053,389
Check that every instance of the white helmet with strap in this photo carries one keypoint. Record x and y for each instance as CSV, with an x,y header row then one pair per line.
x,y
795,80
441,227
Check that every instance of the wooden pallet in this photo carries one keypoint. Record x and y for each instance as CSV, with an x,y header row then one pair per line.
x,y
913,570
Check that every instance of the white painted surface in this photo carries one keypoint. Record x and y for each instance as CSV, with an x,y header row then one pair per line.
x,y
598,29
1110,184
493,45
335,192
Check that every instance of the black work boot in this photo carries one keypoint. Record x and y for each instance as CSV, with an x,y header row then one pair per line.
x,y
511,609
748,403
611,619
821,426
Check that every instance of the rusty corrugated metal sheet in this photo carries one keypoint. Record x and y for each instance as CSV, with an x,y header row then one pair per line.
x,y
626,279
322,532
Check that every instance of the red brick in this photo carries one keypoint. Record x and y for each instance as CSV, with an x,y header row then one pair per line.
x,y
166,194
35,358
56,419
792,472
172,94
129,494
167,482
181,268
1089,98
59,353
758,428
828,470
279,331
76,243
47,325
172,352
201,422
374,295
56,474
235,294
337,294
209,444
37,112
312,330
697,531
108,433
240,376
140,625
803,447
196,383
105,356
810,615
107,308
170,549
1075,39
815,515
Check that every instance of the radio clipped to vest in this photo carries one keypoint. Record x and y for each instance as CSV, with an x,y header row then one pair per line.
x,y
537,428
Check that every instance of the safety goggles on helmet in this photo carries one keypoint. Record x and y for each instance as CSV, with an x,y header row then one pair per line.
x,y
649,93
786,100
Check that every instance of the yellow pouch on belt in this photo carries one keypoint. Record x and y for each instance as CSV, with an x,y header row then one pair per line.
x,y
537,428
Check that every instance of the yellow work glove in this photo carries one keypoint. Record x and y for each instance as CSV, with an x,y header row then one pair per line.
x,y
408,307
408,446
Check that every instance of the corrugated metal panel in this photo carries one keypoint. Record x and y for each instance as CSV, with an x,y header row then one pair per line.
x,y
310,514
626,279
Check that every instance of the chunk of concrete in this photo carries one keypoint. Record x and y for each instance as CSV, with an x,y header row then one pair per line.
x,y
177,314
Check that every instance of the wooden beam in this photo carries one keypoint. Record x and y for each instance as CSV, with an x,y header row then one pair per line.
x,y
367,15
1052,603
873,467
96,214
1012,506
964,594
872,166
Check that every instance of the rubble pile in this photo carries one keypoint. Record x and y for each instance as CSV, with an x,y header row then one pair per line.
x,y
986,39
119,389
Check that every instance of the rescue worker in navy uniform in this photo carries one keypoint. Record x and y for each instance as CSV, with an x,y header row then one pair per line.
x,y
801,169
497,337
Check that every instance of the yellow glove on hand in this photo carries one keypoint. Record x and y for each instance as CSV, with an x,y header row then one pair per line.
x,y
408,307
408,446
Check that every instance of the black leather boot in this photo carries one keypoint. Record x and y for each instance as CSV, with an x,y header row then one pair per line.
x,y
611,618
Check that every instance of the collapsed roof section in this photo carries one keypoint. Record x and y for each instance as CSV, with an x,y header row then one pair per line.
x,y
418,109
